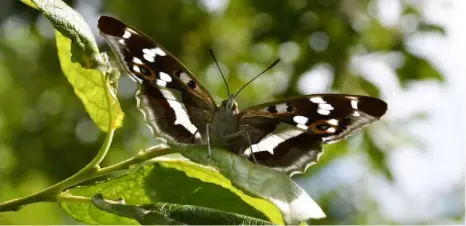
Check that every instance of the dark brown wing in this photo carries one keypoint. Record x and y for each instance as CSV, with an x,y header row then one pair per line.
x,y
288,135
176,106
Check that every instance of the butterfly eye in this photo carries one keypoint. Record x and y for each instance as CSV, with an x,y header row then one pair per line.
x,y
323,127
143,71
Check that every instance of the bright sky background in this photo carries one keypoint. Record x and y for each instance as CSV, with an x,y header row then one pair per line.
x,y
425,174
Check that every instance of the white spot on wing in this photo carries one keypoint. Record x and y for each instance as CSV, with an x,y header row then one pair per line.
x,y
317,100
161,83
154,52
165,77
136,69
323,111
333,122
159,51
127,34
137,60
149,52
300,119
354,104
326,107
356,113
148,57
331,130
121,41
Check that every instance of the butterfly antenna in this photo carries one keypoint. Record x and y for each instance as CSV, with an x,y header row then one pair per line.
x,y
223,77
257,76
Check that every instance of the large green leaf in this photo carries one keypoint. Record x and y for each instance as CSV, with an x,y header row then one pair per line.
x,y
170,214
277,187
80,62
417,69
170,181
369,87
428,27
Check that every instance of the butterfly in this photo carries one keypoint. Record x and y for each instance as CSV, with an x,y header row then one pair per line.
x,y
286,135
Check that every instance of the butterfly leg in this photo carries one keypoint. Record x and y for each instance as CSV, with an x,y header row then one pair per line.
x,y
208,139
250,145
241,134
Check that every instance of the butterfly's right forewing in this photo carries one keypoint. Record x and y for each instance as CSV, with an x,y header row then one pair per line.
x,y
176,106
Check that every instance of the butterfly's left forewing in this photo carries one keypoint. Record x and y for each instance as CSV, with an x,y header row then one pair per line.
x,y
176,106
288,135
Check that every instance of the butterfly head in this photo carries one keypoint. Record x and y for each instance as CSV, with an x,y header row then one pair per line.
x,y
230,105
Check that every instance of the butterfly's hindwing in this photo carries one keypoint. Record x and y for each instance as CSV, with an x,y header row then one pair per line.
x,y
288,135
176,106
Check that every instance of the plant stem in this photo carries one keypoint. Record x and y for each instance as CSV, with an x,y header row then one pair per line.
x,y
53,193
142,156
48,194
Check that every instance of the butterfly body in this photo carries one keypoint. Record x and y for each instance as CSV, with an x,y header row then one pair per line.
x,y
223,128
286,135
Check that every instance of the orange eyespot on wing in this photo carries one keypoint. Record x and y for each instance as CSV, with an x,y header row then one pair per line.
x,y
322,127
143,71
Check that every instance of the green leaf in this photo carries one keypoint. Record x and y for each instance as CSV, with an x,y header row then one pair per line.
x,y
293,202
416,69
411,9
71,24
91,87
376,37
376,156
170,214
431,28
170,181
80,59
369,87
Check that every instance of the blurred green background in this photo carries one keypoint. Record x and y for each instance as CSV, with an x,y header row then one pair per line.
x,y
406,169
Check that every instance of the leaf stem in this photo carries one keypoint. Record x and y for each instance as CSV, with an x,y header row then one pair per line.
x,y
89,171
54,192
142,156
49,194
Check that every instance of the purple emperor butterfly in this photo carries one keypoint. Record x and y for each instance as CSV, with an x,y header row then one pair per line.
x,y
286,135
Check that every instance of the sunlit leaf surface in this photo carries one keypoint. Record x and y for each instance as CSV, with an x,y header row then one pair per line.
x,y
277,187
176,182
90,86
79,58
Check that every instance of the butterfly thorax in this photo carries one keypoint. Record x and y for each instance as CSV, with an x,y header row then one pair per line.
x,y
224,121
